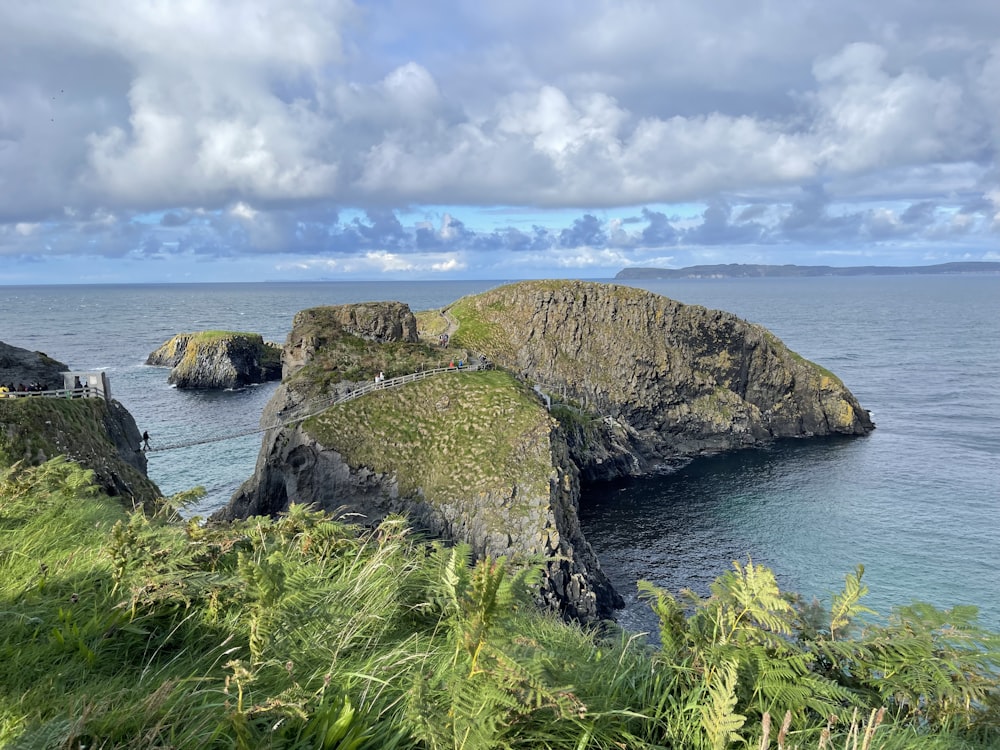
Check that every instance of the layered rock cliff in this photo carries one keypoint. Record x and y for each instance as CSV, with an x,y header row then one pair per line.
x,y
218,359
635,383
99,435
654,381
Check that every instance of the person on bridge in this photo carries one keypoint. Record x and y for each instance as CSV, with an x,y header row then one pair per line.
x,y
145,441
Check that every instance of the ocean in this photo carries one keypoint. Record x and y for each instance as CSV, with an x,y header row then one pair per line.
x,y
917,502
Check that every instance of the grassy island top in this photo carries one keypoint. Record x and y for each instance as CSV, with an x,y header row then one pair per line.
x,y
122,630
486,428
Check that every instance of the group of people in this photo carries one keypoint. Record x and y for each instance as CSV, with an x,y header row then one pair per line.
x,y
21,388
379,378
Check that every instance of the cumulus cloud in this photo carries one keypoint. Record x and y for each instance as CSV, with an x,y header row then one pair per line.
x,y
216,129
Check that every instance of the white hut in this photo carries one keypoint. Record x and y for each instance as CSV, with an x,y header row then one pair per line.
x,y
88,384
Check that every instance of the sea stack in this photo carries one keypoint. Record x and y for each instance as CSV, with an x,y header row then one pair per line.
x,y
218,360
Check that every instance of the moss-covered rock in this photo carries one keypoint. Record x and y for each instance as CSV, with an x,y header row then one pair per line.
x,y
218,359
99,435
319,328
673,380
470,456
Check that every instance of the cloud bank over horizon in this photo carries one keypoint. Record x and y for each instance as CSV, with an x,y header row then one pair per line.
x,y
335,139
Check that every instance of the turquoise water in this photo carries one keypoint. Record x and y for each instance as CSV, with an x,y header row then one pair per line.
x,y
917,501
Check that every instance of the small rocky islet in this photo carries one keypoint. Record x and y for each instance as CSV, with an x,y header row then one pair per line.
x,y
218,360
590,382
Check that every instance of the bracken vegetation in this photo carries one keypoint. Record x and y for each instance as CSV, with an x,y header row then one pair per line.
x,y
125,630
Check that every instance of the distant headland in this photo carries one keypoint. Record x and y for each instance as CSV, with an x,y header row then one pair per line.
x,y
753,270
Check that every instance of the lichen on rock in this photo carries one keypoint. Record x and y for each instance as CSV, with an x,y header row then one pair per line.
x,y
218,359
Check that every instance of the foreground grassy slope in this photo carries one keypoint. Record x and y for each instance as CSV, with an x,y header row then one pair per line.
x,y
126,631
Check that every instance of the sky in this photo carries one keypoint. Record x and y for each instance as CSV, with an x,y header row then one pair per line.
x,y
260,140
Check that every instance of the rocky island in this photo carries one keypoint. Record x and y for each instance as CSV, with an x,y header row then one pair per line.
x,y
591,382
218,359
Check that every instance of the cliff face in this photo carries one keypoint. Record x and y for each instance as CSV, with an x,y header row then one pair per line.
x,y
19,366
665,380
317,328
218,359
99,435
466,456
331,349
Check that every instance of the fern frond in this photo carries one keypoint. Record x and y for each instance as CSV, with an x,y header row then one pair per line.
x,y
719,719
673,624
845,609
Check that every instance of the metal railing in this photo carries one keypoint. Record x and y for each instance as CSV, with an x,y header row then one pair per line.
x,y
82,392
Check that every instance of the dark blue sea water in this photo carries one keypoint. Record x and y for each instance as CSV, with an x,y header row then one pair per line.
x,y
917,502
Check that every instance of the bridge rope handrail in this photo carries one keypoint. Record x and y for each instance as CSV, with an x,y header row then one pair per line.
x,y
322,405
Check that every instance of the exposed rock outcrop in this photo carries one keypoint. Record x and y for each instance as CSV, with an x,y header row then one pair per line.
x,y
218,359
639,382
23,367
656,381
99,435
468,456
318,327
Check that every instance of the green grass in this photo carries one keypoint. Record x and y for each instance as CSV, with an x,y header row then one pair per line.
x,y
209,337
455,433
120,630
36,429
349,358
476,332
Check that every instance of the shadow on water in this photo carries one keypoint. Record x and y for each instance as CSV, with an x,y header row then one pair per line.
x,y
682,530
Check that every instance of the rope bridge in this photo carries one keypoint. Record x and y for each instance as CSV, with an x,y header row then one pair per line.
x,y
322,406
